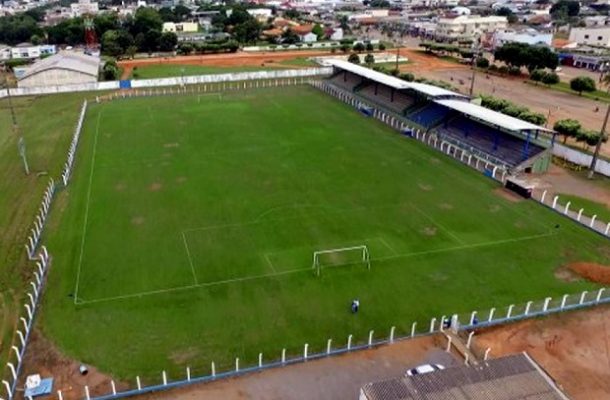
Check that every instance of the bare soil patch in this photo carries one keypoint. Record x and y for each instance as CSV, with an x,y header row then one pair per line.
x,y
565,274
155,187
137,220
43,358
508,195
425,187
591,271
445,206
184,356
429,230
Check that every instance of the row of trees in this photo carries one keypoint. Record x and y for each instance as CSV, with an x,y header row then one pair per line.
x,y
548,78
525,55
512,109
571,128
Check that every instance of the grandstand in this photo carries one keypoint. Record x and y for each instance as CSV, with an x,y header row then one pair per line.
x,y
503,140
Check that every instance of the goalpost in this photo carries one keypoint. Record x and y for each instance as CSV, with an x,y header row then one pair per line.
x,y
341,256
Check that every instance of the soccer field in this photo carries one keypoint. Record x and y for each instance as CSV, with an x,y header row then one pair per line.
x,y
188,232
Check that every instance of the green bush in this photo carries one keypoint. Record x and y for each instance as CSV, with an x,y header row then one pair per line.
x,y
482,62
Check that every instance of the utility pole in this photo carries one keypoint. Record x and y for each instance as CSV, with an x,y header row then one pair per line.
x,y
598,146
474,70
21,141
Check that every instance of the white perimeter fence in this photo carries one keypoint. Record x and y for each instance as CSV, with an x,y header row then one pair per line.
x,y
465,322
175,81
578,157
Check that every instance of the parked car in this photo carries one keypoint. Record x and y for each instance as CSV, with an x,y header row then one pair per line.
x,y
424,369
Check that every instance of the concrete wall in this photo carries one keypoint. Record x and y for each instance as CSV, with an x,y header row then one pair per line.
x,y
580,158
187,80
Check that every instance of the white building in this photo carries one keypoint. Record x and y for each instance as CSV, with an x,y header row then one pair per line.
x,y
29,51
5,52
84,7
596,36
65,68
180,27
468,26
309,37
261,14
528,36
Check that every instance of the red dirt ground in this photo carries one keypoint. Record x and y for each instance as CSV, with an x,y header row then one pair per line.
x,y
591,271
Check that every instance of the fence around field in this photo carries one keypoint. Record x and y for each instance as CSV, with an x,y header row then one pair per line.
x,y
554,202
583,159
469,323
463,321
164,82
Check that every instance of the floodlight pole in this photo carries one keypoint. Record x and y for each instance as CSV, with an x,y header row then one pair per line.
x,y
21,142
474,70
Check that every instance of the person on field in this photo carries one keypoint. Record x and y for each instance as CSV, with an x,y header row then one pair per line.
x,y
355,306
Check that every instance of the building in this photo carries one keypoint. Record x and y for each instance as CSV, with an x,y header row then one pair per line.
x,y
594,36
309,37
528,36
29,51
84,7
64,68
515,377
261,14
5,52
180,27
468,26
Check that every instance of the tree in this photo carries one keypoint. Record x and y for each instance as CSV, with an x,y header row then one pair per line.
x,y
582,84
290,37
369,59
168,41
167,15
550,78
359,47
381,46
345,47
482,62
110,71
150,41
522,54
537,75
379,4
508,13
318,31
146,19
409,77
18,28
105,22
292,14
354,58
567,128
369,47
181,12
565,8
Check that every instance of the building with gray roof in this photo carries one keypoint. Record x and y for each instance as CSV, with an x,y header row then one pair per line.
x,y
65,68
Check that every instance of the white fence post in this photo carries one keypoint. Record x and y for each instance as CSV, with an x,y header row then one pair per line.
x,y
491,314
370,338
213,370
283,356
442,324
138,383
236,364
510,310
17,353
60,396
527,307
164,376
607,228
599,295
8,388
305,350
260,360
413,326
546,304
87,395
567,208
329,343
579,214
555,201
188,374
563,301
473,315
582,297
349,342
113,387
448,349
593,221
469,341
432,323
486,354
392,329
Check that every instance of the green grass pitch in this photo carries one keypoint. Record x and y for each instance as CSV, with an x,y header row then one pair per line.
x,y
186,235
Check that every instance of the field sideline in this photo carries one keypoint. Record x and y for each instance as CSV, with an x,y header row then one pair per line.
x,y
188,233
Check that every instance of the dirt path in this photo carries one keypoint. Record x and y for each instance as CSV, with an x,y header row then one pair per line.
x,y
574,348
330,378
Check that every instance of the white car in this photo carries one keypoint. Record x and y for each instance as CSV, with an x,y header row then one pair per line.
x,y
424,369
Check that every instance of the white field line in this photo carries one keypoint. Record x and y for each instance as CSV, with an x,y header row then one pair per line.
x,y
298,270
188,254
429,218
84,233
266,256
383,241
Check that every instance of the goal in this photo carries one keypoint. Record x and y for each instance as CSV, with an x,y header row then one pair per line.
x,y
341,256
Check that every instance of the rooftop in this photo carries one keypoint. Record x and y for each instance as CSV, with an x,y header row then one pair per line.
x,y
515,377
393,82
72,61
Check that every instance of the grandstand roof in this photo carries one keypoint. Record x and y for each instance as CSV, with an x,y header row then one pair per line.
x,y
430,90
490,116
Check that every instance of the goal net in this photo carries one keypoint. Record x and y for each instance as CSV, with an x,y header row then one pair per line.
x,y
340,257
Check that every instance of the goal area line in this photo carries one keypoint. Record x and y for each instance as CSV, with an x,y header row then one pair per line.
x,y
81,301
